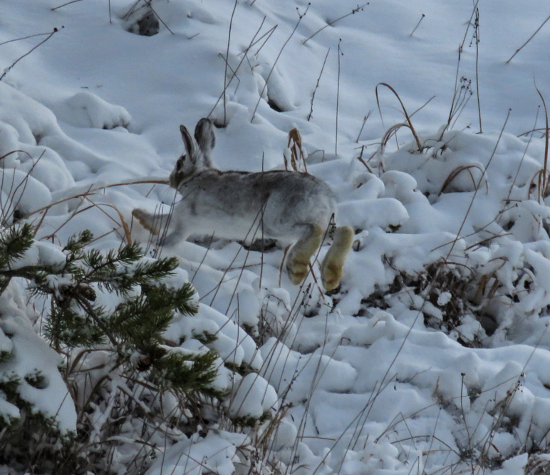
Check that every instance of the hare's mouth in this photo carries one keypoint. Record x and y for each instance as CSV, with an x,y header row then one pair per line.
x,y
174,180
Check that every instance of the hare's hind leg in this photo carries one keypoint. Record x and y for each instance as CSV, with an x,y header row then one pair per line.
x,y
299,256
154,223
331,267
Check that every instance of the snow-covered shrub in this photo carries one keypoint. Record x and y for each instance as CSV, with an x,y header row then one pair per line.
x,y
106,313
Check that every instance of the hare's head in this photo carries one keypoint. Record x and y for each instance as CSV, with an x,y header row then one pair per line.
x,y
198,152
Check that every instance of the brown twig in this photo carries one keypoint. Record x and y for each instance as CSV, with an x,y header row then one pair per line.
x,y
418,24
8,69
476,37
316,86
330,23
530,38
65,4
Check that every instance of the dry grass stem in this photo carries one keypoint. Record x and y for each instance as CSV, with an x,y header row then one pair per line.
x,y
365,118
330,23
227,65
300,17
317,86
530,38
407,117
543,190
457,172
9,68
418,24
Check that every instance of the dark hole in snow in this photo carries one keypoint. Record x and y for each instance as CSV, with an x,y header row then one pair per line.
x,y
146,25
219,123
271,103
509,225
488,323
17,215
36,380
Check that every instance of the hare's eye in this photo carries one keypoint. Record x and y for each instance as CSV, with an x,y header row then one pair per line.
x,y
179,163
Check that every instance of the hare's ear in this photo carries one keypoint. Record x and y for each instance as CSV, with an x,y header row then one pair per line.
x,y
190,144
205,137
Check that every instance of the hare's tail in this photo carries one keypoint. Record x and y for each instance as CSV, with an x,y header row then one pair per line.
x,y
155,223
331,267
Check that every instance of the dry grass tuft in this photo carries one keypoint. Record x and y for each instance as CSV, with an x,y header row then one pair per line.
x,y
297,154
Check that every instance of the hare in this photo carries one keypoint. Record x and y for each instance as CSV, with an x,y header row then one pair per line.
x,y
285,205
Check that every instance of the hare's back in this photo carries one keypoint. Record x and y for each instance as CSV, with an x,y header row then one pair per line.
x,y
294,198
233,200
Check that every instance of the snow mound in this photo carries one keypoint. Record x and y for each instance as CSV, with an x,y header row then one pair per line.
x,y
85,109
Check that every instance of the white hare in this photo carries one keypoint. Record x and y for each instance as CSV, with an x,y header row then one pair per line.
x,y
285,205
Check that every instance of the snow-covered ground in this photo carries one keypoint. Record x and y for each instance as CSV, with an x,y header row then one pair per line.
x,y
434,355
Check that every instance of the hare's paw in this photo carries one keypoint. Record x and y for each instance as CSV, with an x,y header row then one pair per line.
x,y
333,263
297,270
331,273
145,220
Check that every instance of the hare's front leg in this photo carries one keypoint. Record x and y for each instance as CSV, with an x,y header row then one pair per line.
x,y
333,263
299,257
179,233
154,223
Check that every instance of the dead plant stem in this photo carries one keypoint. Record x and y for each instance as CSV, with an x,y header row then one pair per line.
x,y
530,38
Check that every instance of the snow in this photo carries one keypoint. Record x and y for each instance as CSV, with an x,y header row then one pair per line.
x,y
374,378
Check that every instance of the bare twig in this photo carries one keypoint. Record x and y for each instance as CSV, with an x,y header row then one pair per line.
x,y
26,37
300,17
8,69
418,24
338,97
316,86
154,13
478,185
253,42
65,4
330,23
530,38
457,90
365,118
476,37
227,65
